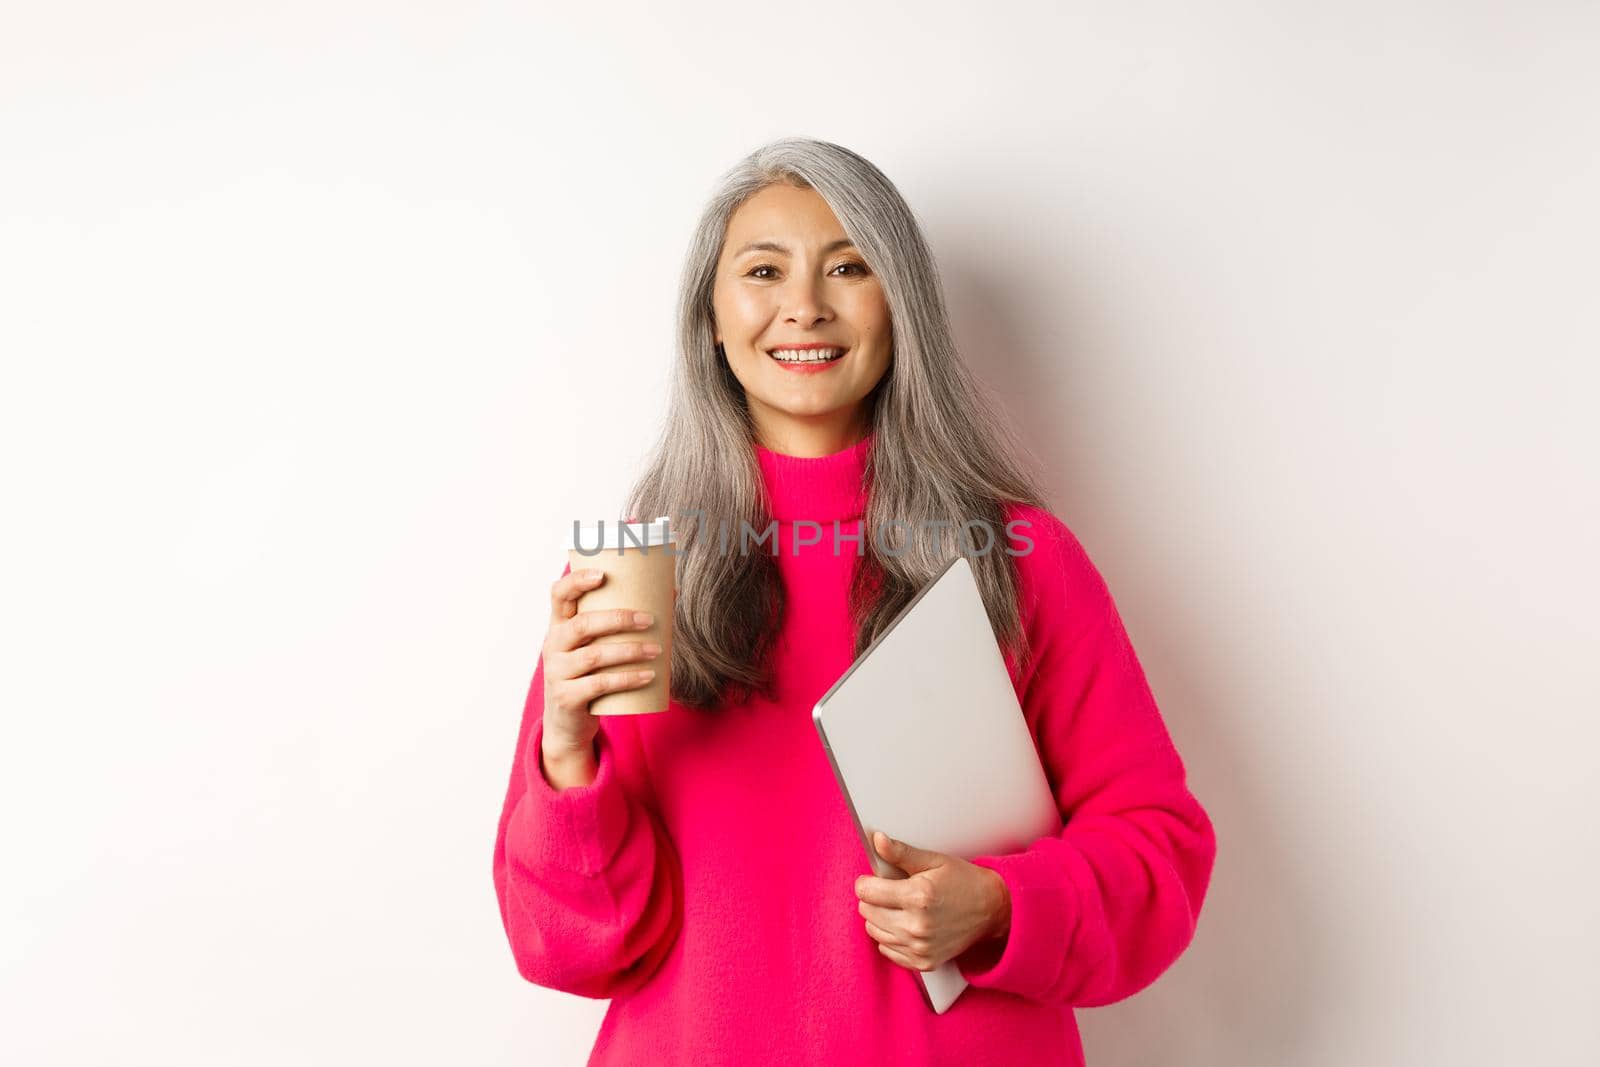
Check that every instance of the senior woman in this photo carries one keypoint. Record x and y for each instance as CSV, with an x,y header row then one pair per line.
x,y
699,867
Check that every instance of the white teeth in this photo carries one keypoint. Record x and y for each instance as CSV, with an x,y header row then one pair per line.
x,y
812,355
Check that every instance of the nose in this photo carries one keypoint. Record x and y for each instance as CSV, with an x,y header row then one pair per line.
x,y
804,303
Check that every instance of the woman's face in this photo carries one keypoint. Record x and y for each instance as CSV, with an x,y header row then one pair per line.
x,y
788,276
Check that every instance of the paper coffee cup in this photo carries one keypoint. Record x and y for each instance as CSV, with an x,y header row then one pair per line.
x,y
641,575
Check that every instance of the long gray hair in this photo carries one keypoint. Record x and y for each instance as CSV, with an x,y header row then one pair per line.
x,y
940,450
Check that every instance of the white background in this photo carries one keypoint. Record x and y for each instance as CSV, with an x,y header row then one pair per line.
x,y
309,312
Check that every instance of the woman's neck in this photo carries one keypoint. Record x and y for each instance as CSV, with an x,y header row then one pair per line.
x,y
807,438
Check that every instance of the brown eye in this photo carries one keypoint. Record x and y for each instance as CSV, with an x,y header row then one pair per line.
x,y
857,266
755,273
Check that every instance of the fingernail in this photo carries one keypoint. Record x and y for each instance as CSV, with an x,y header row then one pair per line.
x,y
590,576
642,619
652,649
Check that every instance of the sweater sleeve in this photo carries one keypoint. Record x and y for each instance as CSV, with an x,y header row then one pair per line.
x,y
1100,909
589,883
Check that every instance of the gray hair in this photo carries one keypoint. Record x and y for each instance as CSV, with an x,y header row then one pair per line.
x,y
941,450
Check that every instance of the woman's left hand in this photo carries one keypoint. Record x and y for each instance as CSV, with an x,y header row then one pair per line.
x,y
944,907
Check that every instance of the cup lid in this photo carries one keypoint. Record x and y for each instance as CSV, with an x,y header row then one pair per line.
x,y
611,535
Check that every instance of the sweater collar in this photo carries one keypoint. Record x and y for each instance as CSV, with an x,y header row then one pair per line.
x,y
821,488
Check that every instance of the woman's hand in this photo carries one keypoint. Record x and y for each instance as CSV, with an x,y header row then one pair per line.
x,y
944,907
570,660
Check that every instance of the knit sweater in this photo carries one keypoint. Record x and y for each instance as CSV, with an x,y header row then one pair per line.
x,y
704,881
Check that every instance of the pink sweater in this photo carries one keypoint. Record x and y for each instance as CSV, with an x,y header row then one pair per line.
x,y
704,882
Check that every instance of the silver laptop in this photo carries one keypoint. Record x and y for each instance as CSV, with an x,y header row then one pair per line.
x,y
929,744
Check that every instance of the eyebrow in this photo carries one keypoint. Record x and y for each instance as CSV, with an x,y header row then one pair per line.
x,y
774,246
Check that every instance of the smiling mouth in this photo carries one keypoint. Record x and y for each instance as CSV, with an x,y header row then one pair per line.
x,y
804,356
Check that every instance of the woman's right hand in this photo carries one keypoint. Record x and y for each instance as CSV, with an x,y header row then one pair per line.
x,y
570,660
